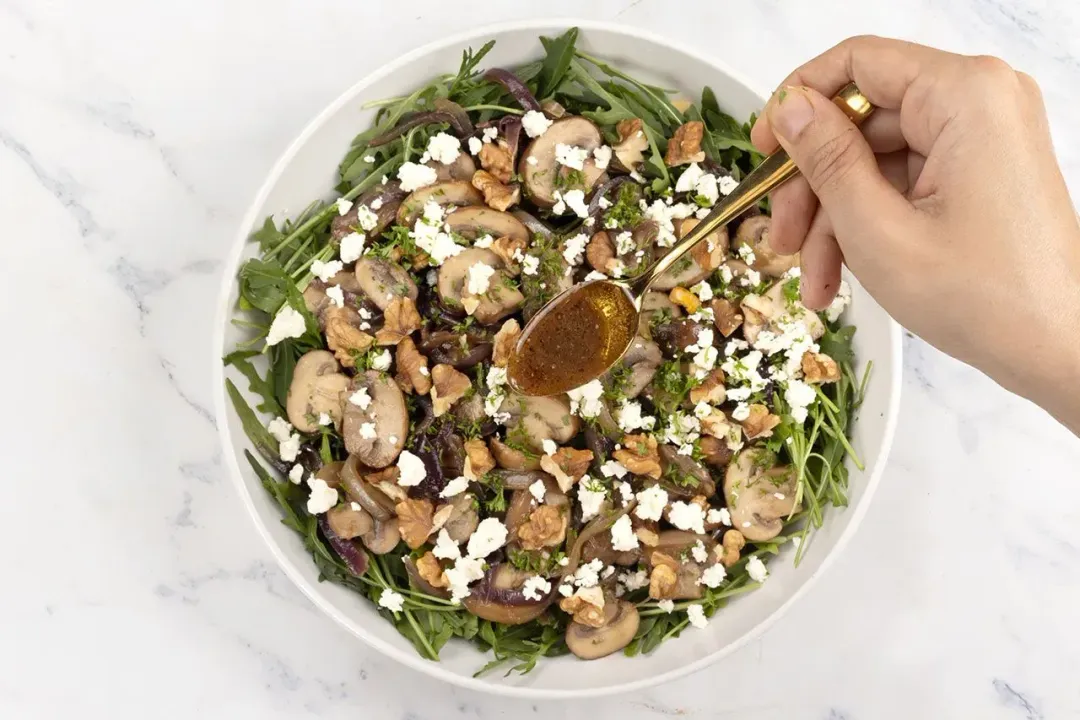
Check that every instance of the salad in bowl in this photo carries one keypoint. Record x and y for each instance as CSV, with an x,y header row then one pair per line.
x,y
607,519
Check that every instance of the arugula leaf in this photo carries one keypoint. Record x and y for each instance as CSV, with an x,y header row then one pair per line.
x,y
727,132
560,51
837,344
268,235
260,437
263,284
288,496
469,61
256,384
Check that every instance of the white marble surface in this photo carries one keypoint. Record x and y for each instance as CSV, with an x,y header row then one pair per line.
x,y
132,137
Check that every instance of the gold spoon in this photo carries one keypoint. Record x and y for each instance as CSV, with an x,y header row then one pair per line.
x,y
581,333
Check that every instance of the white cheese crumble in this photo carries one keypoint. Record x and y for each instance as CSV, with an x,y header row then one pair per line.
x,y
538,490
381,362
336,295
595,275
325,419
411,470
479,278
445,548
630,418
391,600
280,428
571,156
840,302
586,400
322,498
289,449
687,516
588,574
591,496
484,241
535,123
465,571
288,323
634,580
368,431
343,206
414,176
666,605
713,576
727,184
532,160
490,133
489,536
799,396
756,569
365,218
352,247
475,146
624,243
530,265
651,503
573,199
665,216
444,148
741,412
575,249
535,588
613,468
626,492
722,516
549,446
361,398
623,538
326,270
696,615
296,474
602,156
699,553
455,487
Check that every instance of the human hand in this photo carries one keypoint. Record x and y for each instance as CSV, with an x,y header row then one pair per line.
x,y
949,207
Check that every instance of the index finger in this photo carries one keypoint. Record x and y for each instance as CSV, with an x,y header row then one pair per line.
x,y
885,70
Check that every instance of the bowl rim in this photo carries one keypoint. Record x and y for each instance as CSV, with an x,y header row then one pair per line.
x,y
232,464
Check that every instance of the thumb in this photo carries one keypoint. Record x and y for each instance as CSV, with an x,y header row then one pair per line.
x,y
836,160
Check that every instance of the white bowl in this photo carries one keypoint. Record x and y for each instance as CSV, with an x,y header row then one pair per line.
x,y
307,171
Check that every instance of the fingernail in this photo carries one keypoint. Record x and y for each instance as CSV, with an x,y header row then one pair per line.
x,y
790,112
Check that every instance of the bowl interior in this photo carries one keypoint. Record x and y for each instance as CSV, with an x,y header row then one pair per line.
x,y
307,171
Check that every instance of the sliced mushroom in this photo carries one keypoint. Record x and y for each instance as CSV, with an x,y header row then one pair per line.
x,y
387,411
384,538
599,547
652,305
501,298
388,197
541,418
346,280
765,311
759,496
317,387
461,169
463,519
454,192
374,501
539,176
472,222
498,597
349,523
687,467
675,336
706,256
381,281
641,359
677,544
511,459
620,625
754,232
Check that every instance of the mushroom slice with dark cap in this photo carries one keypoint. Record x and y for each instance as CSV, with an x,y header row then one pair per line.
x,y
453,192
620,625
497,302
753,232
760,496
381,281
317,387
498,597
539,175
472,222
387,415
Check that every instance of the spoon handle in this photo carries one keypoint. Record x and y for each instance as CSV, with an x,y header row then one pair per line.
x,y
772,172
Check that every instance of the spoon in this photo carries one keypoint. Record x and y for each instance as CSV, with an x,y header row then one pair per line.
x,y
582,332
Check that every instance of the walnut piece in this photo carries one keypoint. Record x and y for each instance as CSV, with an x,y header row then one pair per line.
x,y
412,368
478,459
630,150
648,536
761,422
415,521
450,386
546,527
600,252
567,465
497,195
345,340
386,481
496,159
711,390
820,368
401,319
683,297
640,456
443,513
717,425
586,605
733,545
726,316
504,343
510,250
685,146
662,582
429,569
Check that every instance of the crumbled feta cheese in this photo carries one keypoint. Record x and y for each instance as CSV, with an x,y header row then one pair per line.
x,y
535,123
489,536
361,398
532,160
455,487
651,503
444,148
352,247
624,243
588,574
707,190
369,158
689,178
799,396
490,133
484,241
535,588
687,516
391,600
479,278
566,590
591,496
365,218
465,571
623,538
752,278
326,270
324,419
630,418
634,580
602,156
756,569
713,576
368,431
699,553
336,295
538,490
840,302
666,605
530,265
288,323
414,176
496,377
741,412
288,450
322,498
796,542
280,428
613,468
296,474
550,448
722,516
571,156
411,470
445,547
703,290
626,492
696,615
573,199
595,275
381,361
665,216
475,146
343,206
586,400
727,184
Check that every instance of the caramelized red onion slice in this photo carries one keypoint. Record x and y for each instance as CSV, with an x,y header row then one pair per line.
x,y
515,87
353,556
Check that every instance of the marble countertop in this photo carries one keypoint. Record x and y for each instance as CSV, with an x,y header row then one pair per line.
x,y
133,135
